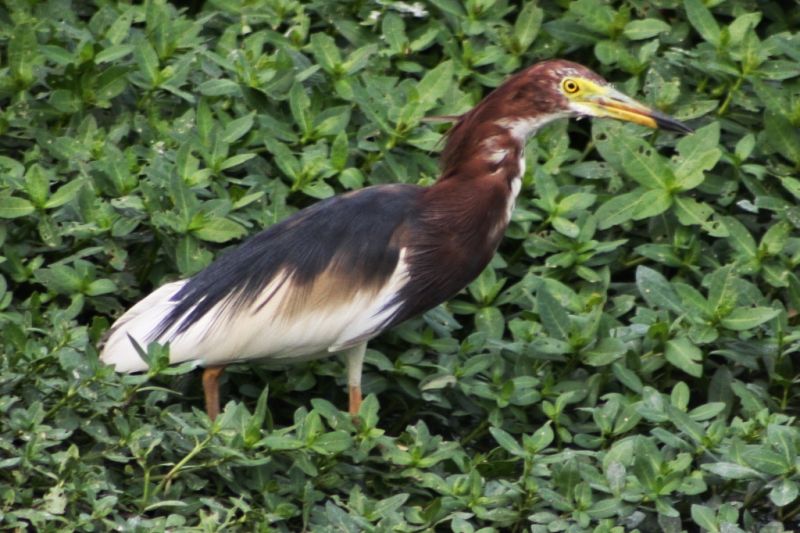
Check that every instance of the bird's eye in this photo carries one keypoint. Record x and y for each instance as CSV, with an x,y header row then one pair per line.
x,y
570,86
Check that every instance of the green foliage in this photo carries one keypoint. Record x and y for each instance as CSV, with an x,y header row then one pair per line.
x,y
628,362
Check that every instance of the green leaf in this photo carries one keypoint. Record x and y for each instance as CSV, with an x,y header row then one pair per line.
x,y
333,442
541,438
190,257
776,238
486,286
369,411
340,151
745,146
64,194
701,515
326,52
639,160
722,288
784,493
299,103
707,411
766,461
683,354
785,440
698,153
219,229
435,84
282,442
568,31
351,178
437,381
101,286
318,189
120,28
605,352
22,47
656,290
236,160
565,227
332,121
627,377
527,26
62,279
113,53
575,203
13,207
751,52
731,470
636,30
743,23
508,442
11,168
703,21
554,319
450,7
359,59
690,212
221,87
386,507
491,321
744,318
37,184
739,238
55,501
647,463
686,425
594,15
284,158
652,203
238,128
783,136
393,30
620,208
147,59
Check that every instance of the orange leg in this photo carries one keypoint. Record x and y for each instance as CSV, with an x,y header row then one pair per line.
x,y
355,360
355,399
211,389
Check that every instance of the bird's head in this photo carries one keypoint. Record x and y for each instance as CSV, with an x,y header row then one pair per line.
x,y
540,94
558,88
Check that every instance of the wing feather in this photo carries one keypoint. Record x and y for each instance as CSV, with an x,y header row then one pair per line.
x,y
321,280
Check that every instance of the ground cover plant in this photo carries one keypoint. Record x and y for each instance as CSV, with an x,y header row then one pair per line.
x,y
628,362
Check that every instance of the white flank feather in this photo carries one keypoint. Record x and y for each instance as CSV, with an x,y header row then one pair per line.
x,y
259,331
368,320
516,185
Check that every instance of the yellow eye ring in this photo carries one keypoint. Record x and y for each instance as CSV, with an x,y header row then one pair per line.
x,y
570,86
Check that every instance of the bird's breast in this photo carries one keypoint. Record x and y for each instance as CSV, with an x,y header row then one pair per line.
x,y
459,228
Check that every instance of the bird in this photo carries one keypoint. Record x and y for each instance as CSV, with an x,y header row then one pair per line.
x,y
331,277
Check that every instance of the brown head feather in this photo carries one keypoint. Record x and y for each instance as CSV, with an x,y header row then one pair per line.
x,y
531,93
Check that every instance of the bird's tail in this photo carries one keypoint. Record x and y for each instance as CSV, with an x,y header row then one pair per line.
x,y
138,323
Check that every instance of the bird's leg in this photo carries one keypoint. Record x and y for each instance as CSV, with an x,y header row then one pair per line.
x,y
355,361
211,389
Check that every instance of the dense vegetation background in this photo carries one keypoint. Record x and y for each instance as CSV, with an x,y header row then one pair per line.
x,y
628,362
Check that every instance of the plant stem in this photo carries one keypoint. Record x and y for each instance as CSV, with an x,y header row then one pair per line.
x,y
475,433
167,480
724,107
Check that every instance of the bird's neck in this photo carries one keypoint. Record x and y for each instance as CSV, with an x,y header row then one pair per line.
x,y
482,168
473,199
481,148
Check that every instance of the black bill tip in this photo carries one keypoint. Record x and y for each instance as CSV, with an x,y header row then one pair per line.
x,y
667,123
